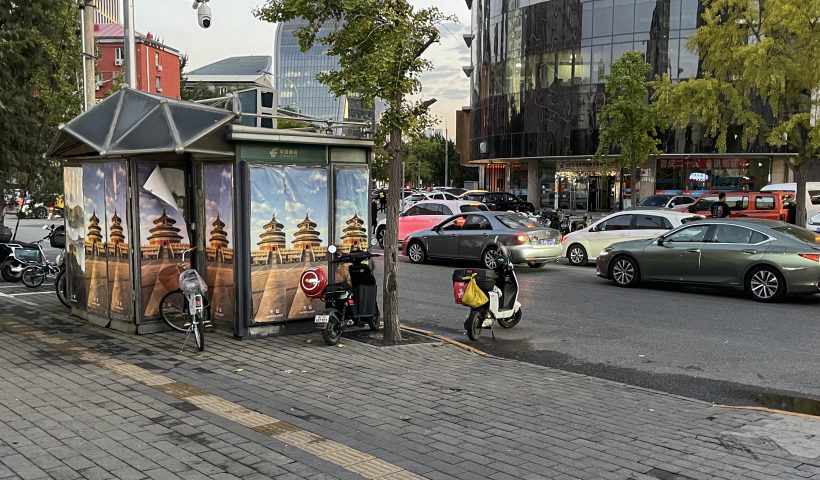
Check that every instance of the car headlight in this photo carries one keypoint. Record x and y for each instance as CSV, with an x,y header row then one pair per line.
x,y
606,251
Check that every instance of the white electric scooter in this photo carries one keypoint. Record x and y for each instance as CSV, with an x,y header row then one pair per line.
x,y
501,286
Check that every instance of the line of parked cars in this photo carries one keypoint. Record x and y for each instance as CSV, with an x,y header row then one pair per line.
x,y
667,238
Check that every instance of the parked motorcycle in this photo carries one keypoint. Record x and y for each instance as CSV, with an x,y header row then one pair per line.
x,y
581,224
501,286
348,305
34,210
15,256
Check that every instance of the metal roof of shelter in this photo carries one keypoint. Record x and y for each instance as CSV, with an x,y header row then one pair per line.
x,y
133,122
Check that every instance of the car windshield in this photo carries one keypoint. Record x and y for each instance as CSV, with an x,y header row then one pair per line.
x,y
799,233
478,207
514,221
654,201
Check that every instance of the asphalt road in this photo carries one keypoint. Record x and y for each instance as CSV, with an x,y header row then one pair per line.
x,y
713,345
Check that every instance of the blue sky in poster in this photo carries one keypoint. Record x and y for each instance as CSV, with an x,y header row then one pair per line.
x,y
115,189
94,196
218,200
351,197
151,206
290,193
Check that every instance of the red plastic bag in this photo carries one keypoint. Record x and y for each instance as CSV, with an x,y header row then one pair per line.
x,y
458,291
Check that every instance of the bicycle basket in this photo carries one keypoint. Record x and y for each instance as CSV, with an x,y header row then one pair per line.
x,y
190,282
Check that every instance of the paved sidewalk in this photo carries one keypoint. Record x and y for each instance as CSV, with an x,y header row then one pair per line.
x,y
78,401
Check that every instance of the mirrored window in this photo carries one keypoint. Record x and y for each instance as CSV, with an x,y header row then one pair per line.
x,y
602,18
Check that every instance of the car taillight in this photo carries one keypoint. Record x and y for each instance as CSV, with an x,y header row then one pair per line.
x,y
814,257
522,238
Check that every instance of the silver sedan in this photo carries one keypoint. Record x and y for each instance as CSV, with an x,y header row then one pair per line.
x,y
475,235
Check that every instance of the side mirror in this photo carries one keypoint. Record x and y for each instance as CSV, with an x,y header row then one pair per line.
x,y
660,241
437,228
671,204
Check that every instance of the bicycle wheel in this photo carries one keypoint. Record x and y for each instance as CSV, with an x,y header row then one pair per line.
x,y
174,310
33,276
199,334
61,285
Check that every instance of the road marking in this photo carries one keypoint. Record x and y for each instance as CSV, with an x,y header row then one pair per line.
x,y
27,293
344,456
20,300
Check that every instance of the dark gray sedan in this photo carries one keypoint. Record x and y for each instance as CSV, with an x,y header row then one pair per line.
x,y
766,258
472,236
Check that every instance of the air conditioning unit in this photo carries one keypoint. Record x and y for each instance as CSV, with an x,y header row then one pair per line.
x,y
159,68
119,61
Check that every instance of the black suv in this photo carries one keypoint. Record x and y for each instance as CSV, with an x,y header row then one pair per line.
x,y
502,201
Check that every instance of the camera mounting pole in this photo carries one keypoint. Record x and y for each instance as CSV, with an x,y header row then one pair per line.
x,y
130,44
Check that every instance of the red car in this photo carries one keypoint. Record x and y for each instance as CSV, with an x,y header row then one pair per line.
x,y
426,214
765,205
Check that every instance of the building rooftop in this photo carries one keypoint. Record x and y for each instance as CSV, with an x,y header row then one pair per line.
x,y
251,65
117,31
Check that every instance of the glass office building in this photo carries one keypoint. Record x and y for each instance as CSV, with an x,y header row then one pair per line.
x,y
537,76
295,76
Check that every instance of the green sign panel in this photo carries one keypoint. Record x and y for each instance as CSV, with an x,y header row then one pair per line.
x,y
290,153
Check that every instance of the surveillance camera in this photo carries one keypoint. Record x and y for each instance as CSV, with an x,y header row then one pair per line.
x,y
204,15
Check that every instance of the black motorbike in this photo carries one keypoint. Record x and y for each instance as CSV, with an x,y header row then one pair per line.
x,y
555,219
348,304
15,256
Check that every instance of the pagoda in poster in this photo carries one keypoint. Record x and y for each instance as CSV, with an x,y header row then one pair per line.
x,y
271,245
94,244
307,239
117,247
217,249
165,240
354,235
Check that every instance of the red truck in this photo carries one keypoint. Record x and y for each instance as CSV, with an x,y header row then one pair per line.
x,y
766,205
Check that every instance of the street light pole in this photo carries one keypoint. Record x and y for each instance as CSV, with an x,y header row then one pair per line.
x,y
446,156
295,90
130,44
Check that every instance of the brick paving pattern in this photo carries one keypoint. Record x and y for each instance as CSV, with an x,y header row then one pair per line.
x,y
78,401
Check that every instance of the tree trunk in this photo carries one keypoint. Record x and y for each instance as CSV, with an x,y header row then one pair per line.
x,y
633,180
390,299
801,172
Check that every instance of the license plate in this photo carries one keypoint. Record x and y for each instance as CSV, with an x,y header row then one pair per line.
x,y
196,304
321,320
545,241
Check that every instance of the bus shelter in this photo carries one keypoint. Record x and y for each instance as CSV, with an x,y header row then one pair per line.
x,y
149,178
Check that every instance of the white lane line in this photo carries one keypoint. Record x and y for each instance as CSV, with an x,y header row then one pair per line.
x,y
20,300
26,293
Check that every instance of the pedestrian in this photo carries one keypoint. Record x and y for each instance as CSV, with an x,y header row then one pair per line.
x,y
720,209
374,215
382,200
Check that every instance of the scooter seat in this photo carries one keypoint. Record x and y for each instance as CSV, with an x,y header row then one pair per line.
x,y
337,287
23,245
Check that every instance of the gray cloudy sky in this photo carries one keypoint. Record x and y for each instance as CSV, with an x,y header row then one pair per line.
x,y
235,31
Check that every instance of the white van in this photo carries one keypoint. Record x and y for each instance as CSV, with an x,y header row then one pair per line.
x,y
812,197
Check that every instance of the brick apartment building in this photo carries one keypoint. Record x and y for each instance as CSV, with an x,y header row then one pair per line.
x,y
157,64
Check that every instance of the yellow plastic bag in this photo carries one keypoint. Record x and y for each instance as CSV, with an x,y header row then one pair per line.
x,y
473,296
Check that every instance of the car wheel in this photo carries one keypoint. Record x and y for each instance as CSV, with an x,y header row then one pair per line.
x,y
535,264
765,284
577,255
380,233
625,272
488,258
416,252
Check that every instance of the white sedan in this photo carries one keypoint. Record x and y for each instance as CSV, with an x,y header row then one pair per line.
x,y
583,246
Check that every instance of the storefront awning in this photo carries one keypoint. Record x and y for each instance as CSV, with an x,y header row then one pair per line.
x,y
133,122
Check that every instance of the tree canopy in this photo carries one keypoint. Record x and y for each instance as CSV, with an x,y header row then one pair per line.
x,y
627,120
759,73
40,54
380,47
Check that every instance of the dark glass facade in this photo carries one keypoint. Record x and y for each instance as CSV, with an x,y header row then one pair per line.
x,y
537,83
296,81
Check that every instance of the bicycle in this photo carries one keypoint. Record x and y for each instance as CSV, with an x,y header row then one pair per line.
x,y
61,286
35,274
186,309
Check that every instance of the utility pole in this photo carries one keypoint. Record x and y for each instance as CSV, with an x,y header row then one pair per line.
x,y
89,58
129,42
446,156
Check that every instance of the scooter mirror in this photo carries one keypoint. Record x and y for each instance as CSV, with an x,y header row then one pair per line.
x,y
331,249
45,227
373,242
